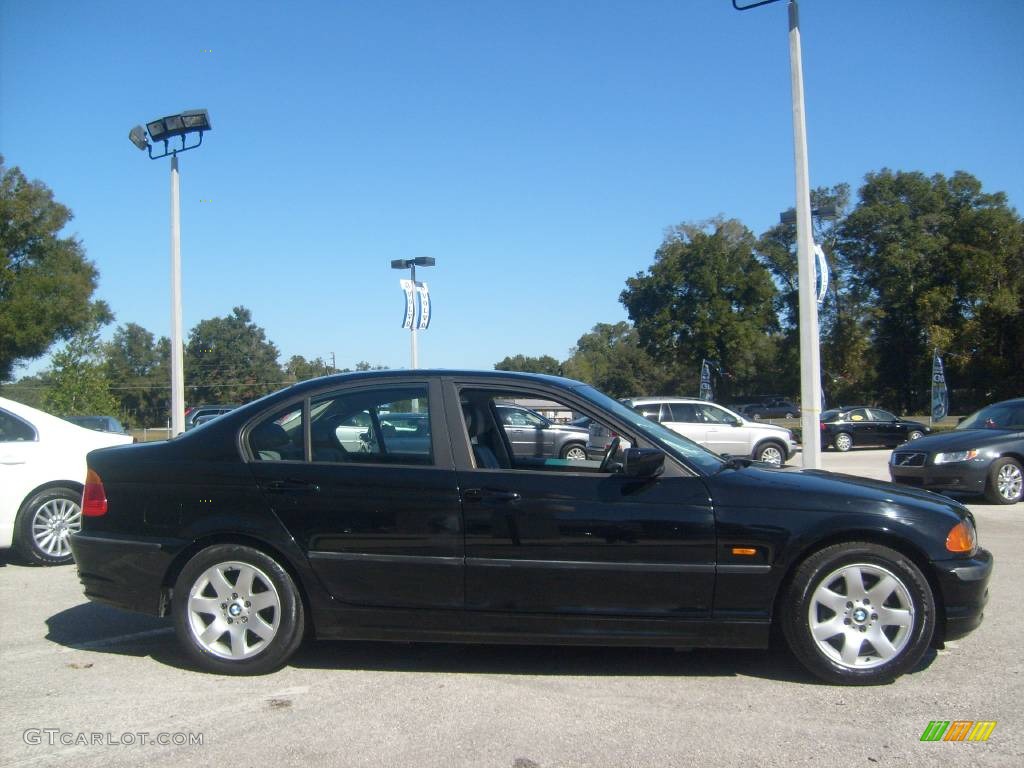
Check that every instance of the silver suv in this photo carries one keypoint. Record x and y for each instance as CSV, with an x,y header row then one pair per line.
x,y
717,428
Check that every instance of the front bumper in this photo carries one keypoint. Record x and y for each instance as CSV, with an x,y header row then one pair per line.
x,y
963,585
963,476
124,573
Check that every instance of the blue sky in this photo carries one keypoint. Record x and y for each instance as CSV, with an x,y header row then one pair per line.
x,y
537,149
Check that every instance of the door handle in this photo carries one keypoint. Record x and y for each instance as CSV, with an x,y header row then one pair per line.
x,y
284,486
11,460
490,495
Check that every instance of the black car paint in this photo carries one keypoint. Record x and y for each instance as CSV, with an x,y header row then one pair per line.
x,y
450,552
887,433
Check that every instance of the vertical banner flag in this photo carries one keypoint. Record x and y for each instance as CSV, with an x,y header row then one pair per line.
x,y
706,392
821,273
424,292
940,398
410,303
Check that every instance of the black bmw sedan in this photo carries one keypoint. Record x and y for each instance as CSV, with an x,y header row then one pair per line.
x,y
317,511
859,426
983,455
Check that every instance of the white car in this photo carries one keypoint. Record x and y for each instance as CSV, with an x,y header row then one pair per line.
x,y
42,474
717,428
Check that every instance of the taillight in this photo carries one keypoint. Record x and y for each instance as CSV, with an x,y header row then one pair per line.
x,y
94,497
822,425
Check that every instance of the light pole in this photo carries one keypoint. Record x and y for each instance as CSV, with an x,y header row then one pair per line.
x,y
810,351
411,290
164,129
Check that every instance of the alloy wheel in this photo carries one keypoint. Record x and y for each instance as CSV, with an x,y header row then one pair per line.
x,y
234,610
52,525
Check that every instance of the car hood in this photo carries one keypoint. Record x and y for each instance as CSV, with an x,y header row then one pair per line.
x,y
821,491
965,439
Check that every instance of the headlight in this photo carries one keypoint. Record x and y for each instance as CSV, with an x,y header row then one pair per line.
x,y
954,456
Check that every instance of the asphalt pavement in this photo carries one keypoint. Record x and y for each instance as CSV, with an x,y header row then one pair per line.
x,y
82,683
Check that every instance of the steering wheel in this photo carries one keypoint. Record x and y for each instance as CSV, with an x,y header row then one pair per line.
x,y
609,453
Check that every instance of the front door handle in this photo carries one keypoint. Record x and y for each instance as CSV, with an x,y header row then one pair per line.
x,y
490,495
290,485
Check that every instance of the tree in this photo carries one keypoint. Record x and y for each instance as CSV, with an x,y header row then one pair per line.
x,y
299,368
706,296
138,369
229,359
610,358
845,348
941,263
46,283
542,364
78,381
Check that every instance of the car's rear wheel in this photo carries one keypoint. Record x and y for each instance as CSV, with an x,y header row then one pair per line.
x,y
915,434
575,452
45,523
771,453
1005,482
843,441
237,611
858,614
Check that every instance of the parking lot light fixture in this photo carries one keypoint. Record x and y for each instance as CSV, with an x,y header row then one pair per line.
x,y
181,125
411,264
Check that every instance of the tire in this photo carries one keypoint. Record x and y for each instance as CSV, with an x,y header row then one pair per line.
x,y
916,434
237,611
790,416
44,525
771,452
843,442
1005,482
575,452
876,600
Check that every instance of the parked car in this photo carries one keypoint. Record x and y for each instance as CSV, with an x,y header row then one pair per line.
x,y
662,544
858,426
99,423
42,471
200,414
717,428
775,408
983,455
530,434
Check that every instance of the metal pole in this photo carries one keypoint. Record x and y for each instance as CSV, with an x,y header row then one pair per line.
x,y
177,364
415,298
810,353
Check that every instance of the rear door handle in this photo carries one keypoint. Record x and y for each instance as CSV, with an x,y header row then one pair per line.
x,y
490,495
289,485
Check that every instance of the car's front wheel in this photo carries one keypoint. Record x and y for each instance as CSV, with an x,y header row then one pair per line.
x,y
858,614
45,523
1005,482
915,435
237,611
574,452
771,453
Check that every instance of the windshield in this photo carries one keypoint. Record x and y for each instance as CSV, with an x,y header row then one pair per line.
x,y
674,442
999,416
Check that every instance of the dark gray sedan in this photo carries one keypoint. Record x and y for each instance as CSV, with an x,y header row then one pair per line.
x,y
533,435
983,455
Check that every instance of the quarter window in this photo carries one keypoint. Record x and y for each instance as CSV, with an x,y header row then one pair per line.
x,y
14,430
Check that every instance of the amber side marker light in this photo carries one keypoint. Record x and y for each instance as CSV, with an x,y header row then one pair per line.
x,y
748,551
961,538
94,497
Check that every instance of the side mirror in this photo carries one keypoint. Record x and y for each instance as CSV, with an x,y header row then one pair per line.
x,y
737,422
642,462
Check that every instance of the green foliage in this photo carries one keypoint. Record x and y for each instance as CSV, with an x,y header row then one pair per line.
x,y
610,358
542,364
940,263
706,296
299,368
138,369
45,281
77,379
229,359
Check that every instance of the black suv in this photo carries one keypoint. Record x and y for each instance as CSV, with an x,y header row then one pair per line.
x,y
194,416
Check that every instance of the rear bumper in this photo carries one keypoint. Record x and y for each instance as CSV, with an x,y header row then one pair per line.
x,y
124,573
963,585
